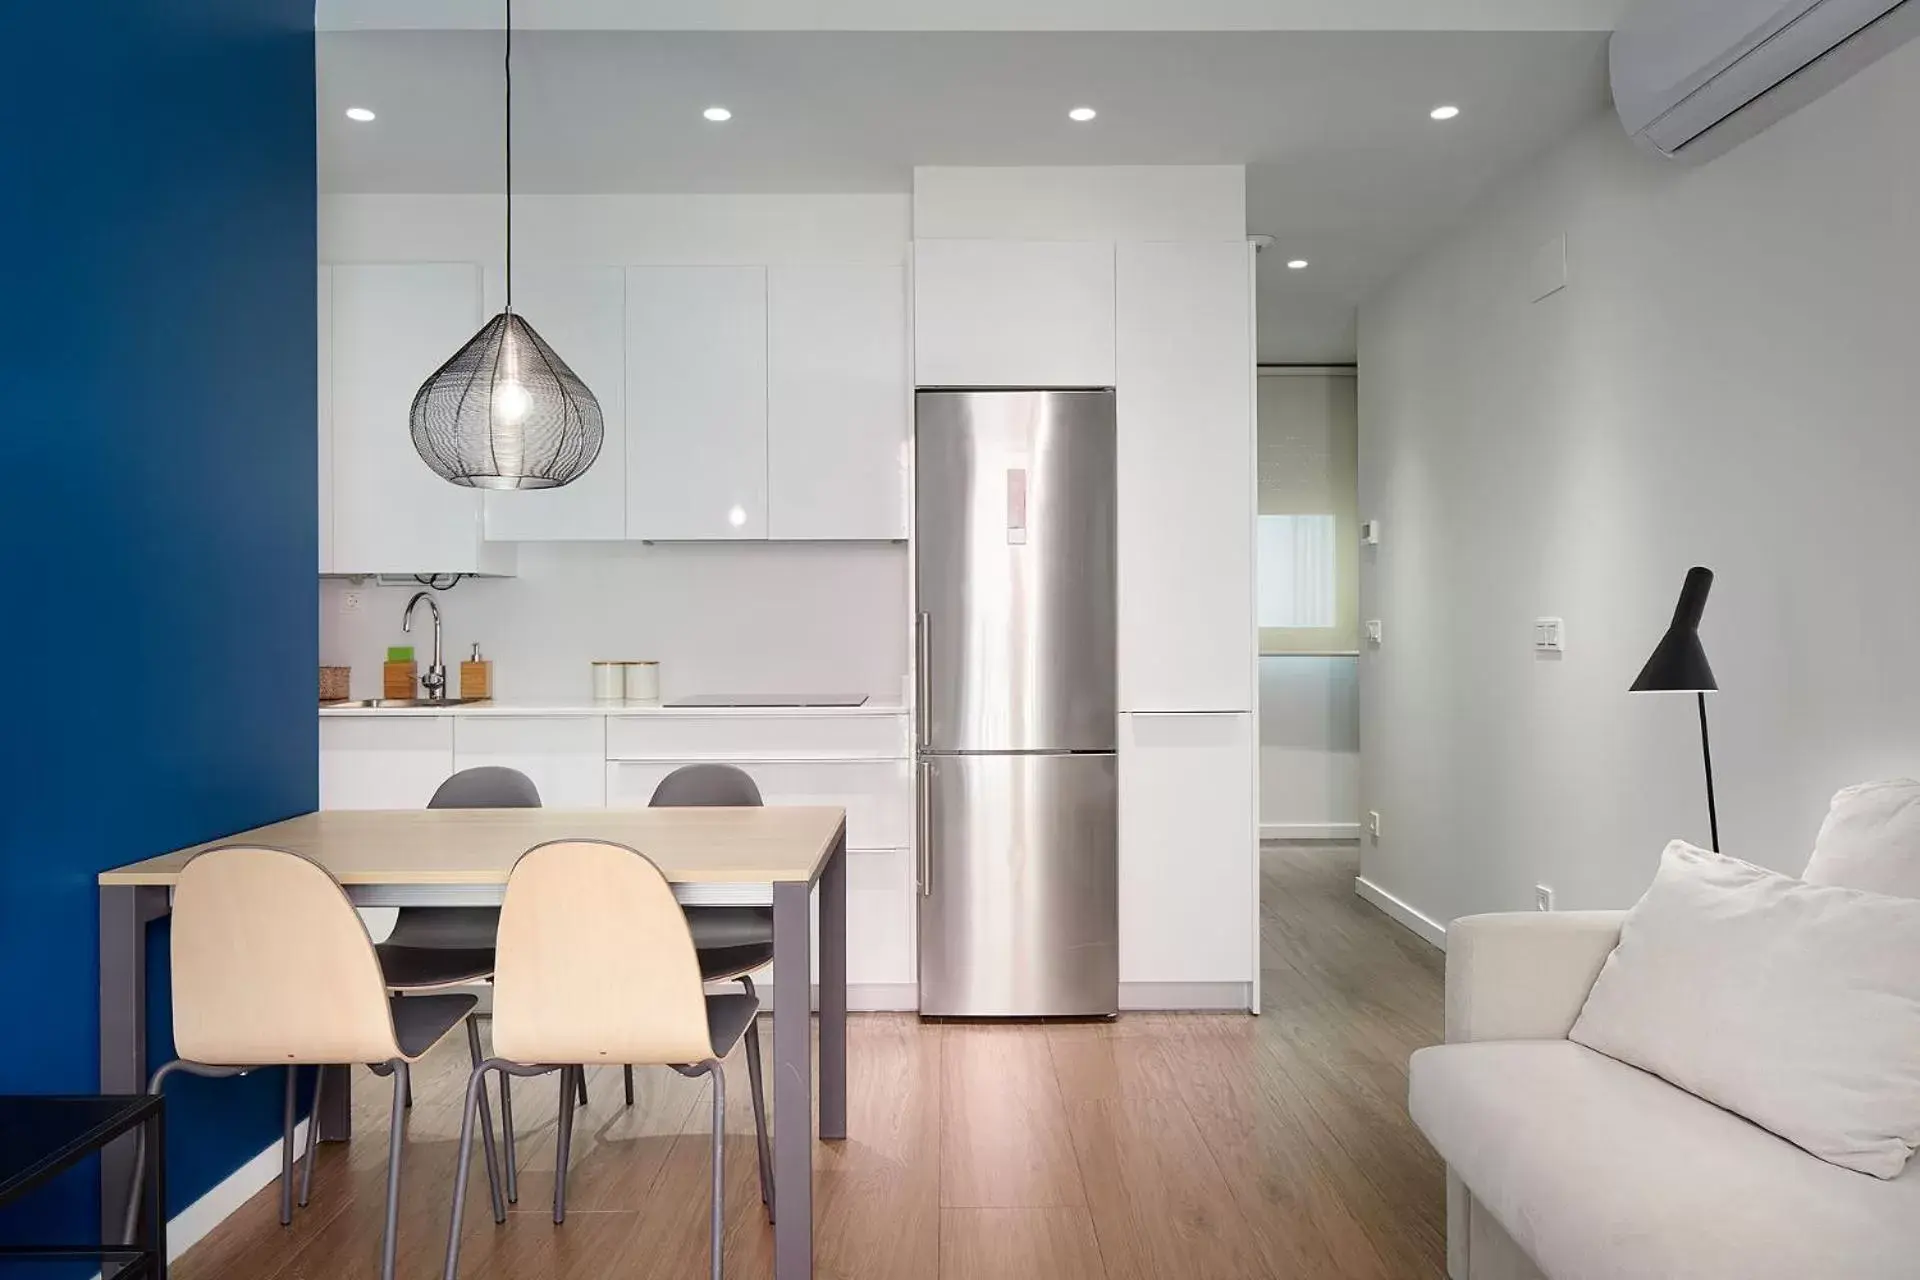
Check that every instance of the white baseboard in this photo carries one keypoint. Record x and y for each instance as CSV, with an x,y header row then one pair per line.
x,y
1141,997
1309,831
1428,929
194,1223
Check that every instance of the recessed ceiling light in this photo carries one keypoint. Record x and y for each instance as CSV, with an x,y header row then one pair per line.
x,y
1446,111
1298,264
359,115
1082,114
719,115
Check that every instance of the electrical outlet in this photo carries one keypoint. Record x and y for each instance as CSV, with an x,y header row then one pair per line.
x,y
1373,823
1373,631
349,602
1543,897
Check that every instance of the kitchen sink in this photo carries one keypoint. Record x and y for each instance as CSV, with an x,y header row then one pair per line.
x,y
400,704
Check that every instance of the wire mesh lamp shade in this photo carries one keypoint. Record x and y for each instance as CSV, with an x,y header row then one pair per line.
x,y
507,413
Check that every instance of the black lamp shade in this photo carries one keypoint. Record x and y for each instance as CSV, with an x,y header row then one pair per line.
x,y
1678,663
507,413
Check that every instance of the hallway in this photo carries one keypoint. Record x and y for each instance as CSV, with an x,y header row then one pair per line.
x,y
1210,1147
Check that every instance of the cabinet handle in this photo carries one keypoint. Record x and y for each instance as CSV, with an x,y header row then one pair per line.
x,y
922,624
925,869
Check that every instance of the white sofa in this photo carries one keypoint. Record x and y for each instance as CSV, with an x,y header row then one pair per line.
x,y
1564,1164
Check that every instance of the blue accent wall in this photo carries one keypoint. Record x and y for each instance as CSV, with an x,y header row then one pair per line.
x,y
158,638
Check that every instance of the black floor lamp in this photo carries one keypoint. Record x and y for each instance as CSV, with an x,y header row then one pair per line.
x,y
1679,665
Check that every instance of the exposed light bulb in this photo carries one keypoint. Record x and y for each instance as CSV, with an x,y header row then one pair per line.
x,y
510,403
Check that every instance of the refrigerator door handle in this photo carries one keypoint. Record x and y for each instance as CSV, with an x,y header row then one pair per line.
x,y
923,694
923,872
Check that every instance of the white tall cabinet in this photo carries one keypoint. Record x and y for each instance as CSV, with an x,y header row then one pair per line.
x,y
1189,825
1185,532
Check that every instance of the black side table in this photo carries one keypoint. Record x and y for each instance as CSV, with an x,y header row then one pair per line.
x,y
41,1137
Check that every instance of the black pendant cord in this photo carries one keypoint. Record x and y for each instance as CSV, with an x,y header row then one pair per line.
x,y
1706,758
509,154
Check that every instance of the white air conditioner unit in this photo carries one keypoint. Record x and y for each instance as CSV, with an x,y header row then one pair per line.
x,y
1693,77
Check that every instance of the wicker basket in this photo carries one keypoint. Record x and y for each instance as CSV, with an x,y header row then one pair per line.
x,y
336,684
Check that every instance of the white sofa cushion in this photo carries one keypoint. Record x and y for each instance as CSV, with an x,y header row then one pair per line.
x,y
1871,839
1794,1005
1600,1171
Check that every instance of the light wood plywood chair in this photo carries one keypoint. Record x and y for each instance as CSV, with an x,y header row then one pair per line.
x,y
273,967
596,965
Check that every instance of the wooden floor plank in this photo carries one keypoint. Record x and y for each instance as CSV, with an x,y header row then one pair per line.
x,y
1018,1244
1004,1139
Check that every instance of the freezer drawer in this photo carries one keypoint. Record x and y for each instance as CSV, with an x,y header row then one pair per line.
x,y
1018,874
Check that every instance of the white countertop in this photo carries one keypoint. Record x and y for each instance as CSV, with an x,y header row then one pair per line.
x,y
876,706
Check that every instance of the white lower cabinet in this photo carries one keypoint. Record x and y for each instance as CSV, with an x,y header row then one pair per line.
x,y
383,762
875,793
566,756
1188,847
392,761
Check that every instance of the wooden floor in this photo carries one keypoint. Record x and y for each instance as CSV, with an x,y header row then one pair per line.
x,y
1192,1146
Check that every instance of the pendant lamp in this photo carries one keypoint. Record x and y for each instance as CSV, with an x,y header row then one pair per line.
x,y
506,412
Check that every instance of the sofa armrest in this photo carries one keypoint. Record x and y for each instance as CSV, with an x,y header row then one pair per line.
x,y
1524,975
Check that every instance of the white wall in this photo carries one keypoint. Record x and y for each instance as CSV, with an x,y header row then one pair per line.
x,y
734,617
719,617
1728,380
1309,748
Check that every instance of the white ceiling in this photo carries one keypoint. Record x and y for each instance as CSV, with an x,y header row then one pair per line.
x,y
1346,170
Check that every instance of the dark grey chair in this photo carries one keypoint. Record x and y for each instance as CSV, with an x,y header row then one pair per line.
x,y
729,942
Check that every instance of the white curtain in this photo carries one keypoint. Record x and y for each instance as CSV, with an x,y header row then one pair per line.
x,y
1298,570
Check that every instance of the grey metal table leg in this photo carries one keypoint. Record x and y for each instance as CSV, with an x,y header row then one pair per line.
x,y
125,912
833,994
792,1081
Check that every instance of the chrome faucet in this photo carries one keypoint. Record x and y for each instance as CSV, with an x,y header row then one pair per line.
x,y
435,681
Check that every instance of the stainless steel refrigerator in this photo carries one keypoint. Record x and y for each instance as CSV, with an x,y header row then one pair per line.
x,y
1015,771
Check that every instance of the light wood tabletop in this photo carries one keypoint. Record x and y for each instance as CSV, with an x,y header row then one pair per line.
x,y
480,846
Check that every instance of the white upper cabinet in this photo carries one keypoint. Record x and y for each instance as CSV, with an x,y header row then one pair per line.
x,y
1186,477
325,433
696,403
393,326
1006,313
582,314
836,402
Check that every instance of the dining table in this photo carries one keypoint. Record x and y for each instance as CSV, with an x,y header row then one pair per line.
x,y
776,856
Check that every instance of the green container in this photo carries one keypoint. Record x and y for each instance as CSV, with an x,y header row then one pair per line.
x,y
400,653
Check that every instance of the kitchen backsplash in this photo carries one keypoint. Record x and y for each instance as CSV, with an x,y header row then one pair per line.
x,y
719,617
